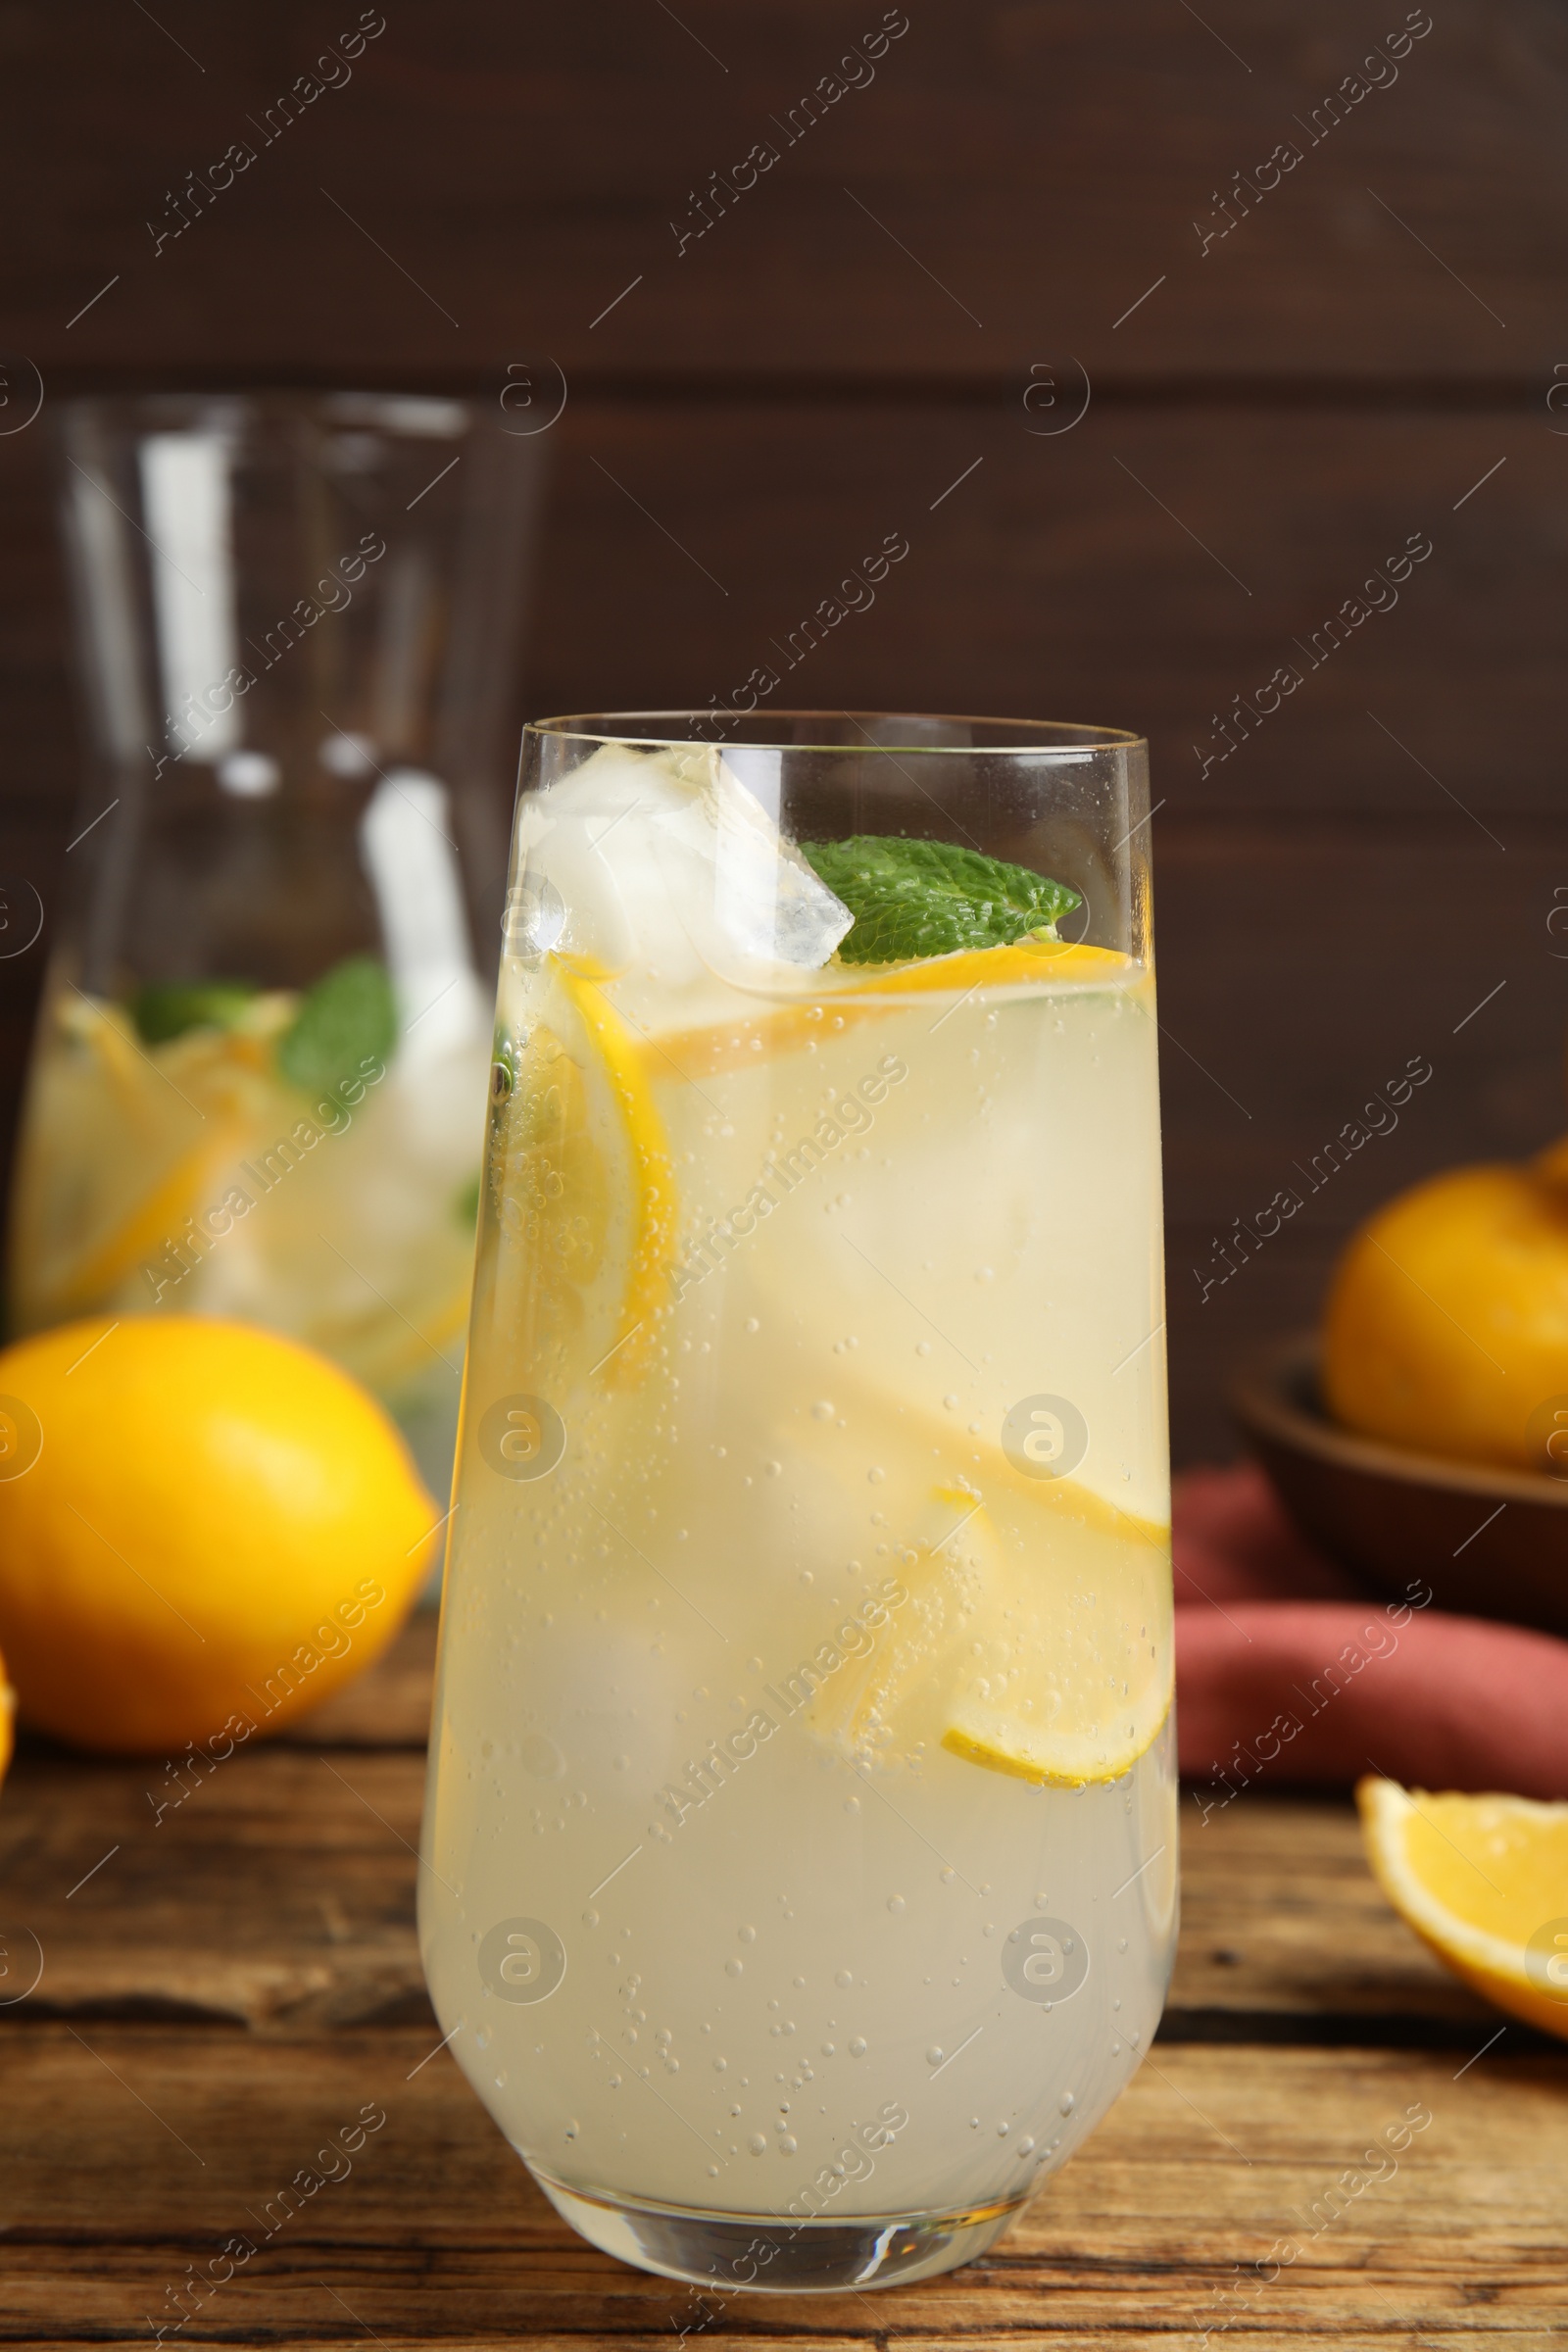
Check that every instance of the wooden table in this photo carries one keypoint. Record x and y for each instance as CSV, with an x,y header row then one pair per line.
x,y
227,1988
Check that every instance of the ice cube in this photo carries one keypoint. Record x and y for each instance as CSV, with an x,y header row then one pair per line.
x,y
589,883
644,857
748,898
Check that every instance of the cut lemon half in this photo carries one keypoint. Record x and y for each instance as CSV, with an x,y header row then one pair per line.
x,y
1484,1881
707,1052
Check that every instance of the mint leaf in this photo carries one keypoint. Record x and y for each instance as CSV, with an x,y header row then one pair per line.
x,y
348,1018
912,899
167,1009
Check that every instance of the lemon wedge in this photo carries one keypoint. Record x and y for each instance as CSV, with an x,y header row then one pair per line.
x,y
1484,1881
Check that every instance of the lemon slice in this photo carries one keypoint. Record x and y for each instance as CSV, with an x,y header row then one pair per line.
x,y
1014,1648
1058,1716
707,1052
891,1709
95,1271
1484,1881
1046,1753
581,1171
650,1242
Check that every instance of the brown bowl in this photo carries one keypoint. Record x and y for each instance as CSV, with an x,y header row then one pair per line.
x,y
1490,1543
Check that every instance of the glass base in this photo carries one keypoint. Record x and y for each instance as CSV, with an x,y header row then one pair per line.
x,y
769,2254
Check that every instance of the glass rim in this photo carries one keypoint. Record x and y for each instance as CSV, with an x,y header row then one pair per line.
x,y
1033,737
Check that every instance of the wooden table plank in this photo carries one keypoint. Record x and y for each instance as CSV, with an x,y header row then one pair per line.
x,y
155,2147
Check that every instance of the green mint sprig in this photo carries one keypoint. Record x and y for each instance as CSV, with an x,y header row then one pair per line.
x,y
348,1018
914,899
164,1009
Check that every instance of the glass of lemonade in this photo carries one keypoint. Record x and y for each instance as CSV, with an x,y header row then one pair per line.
x,y
799,1875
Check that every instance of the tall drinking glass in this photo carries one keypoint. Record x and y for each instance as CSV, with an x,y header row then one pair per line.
x,y
799,1849
259,1078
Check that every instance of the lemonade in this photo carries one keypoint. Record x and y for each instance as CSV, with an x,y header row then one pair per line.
x,y
801,1843
275,1156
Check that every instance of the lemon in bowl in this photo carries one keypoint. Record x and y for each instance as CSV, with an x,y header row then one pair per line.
x,y
1447,1325
204,1529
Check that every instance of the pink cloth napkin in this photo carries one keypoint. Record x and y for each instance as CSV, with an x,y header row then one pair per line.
x,y
1287,1672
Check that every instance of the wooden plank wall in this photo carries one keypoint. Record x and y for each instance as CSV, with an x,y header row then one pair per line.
x,y
1290,368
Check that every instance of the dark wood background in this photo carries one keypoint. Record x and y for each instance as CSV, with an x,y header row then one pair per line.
x,y
1281,413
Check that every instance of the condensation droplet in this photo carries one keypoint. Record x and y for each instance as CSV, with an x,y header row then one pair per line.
x,y
934,2054
857,2047
822,1411
1067,2104
896,1905
733,1968
747,1935
844,1976
757,2144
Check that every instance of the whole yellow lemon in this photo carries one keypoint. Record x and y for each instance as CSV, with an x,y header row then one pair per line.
x,y
1446,1328
204,1530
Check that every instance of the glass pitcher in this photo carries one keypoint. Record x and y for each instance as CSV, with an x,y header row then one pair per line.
x,y
258,1085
